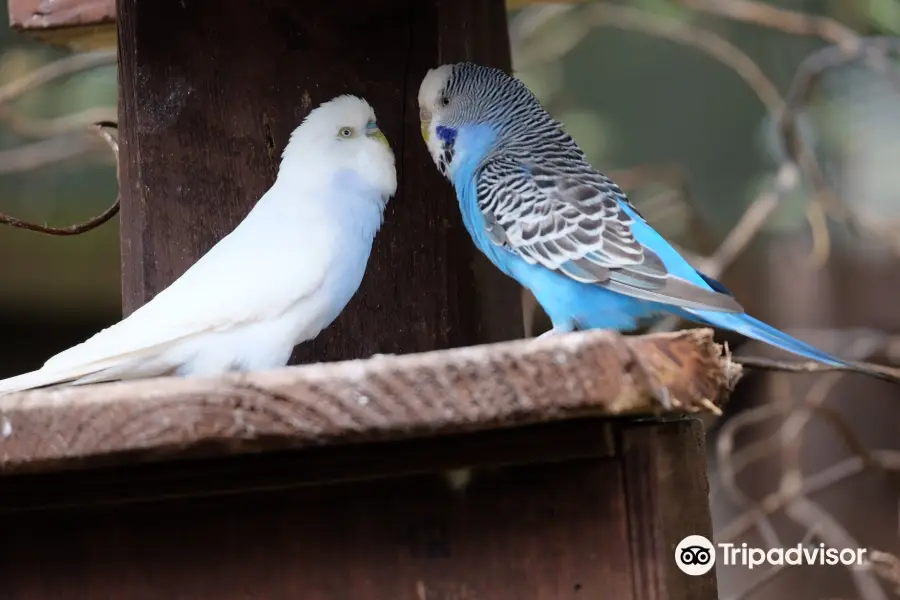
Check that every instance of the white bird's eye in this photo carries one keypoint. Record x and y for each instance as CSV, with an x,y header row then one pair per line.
x,y
346,132
445,100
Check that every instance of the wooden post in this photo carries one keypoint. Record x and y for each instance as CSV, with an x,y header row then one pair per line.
x,y
342,498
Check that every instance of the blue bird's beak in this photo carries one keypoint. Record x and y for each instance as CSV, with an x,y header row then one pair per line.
x,y
425,124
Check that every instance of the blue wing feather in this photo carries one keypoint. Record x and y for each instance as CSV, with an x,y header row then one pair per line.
x,y
715,284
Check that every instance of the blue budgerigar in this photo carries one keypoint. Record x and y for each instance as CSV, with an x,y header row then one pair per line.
x,y
545,217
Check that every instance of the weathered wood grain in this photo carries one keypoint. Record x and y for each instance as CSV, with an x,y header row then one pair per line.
x,y
386,397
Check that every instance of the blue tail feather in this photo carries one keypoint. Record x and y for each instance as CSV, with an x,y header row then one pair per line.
x,y
754,328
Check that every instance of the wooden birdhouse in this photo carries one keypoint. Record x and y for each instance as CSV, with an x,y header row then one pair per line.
x,y
416,459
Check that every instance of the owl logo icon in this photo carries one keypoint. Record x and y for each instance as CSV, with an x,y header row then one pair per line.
x,y
695,555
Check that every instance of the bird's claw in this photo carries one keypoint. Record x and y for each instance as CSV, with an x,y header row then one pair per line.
x,y
551,332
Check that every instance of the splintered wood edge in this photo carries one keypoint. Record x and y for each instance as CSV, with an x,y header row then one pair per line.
x,y
381,398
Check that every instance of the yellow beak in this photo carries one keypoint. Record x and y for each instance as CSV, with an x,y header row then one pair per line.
x,y
426,129
378,136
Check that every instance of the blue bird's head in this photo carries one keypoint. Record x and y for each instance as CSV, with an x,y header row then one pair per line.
x,y
456,97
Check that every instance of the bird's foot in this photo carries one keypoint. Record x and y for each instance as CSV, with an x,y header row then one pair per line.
x,y
554,331
660,392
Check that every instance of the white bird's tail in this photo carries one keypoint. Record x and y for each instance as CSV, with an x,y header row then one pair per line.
x,y
36,379
125,366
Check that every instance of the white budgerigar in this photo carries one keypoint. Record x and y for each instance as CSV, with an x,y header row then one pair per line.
x,y
278,279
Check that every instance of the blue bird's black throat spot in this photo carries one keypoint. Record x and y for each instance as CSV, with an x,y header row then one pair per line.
x,y
447,136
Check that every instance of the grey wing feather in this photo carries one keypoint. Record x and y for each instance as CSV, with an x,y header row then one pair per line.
x,y
572,222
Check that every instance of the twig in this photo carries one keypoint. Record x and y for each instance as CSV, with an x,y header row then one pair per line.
x,y
886,566
766,364
105,130
771,575
809,514
808,75
43,128
729,459
728,473
766,15
769,364
532,18
821,240
717,47
848,47
752,221
811,485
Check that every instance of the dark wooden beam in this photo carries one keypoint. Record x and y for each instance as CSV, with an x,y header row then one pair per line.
x,y
210,92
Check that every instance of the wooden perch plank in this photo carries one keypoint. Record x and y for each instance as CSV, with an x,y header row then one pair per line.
x,y
385,397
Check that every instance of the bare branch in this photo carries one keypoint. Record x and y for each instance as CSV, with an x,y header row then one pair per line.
x,y
774,17
886,566
812,484
811,515
766,364
769,576
108,131
681,32
44,128
752,221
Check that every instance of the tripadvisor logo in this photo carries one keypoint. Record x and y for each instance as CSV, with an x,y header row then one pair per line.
x,y
696,555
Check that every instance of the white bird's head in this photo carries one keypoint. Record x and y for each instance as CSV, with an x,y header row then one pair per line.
x,y
342,135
